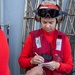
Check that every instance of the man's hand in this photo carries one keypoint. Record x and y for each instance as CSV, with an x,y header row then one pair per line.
x,y
35,71
37,59
52,65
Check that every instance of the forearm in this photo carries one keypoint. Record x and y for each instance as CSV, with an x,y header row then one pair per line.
x,y
25,62
65,67
24,59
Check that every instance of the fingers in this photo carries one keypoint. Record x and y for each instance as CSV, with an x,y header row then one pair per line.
x,y
37,59
52,69
52,65
37,67
55,64
28,72
37,70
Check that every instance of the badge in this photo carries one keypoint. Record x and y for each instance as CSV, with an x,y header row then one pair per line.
x,y
58,44
38,42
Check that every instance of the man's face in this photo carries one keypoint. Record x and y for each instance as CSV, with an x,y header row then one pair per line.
x,y
48,24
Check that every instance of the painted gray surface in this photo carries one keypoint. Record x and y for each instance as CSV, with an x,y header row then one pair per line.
x,y
13,14
0,11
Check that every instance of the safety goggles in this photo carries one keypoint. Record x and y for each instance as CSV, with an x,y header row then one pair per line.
x,y
52,13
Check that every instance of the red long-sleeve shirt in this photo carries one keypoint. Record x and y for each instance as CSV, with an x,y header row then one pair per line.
x,y
4,55
24,61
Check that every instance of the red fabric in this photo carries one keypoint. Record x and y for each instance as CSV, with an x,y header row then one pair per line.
x,y
4,55
49,6
66,66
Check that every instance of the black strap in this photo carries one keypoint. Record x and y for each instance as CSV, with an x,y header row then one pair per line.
x,y
60,36
47,57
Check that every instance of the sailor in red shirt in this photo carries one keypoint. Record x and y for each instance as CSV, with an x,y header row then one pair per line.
x,y
4,55
47,46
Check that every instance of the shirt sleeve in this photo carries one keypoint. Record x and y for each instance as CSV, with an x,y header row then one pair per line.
x,y
4,54
24,59
67,65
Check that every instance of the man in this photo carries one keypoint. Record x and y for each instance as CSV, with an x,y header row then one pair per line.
x,y
47,46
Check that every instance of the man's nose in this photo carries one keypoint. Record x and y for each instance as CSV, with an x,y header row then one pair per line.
x,y
48,25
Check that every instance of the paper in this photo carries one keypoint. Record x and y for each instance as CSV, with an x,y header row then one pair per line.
x,y
42,64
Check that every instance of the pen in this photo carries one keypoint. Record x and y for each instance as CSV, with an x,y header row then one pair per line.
x,y
35,53
41,59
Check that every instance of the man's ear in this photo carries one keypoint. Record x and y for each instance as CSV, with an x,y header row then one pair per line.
x,y
60,19
62,16
37,18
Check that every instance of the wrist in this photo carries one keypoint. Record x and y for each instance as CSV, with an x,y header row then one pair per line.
x,y
31,61
58,65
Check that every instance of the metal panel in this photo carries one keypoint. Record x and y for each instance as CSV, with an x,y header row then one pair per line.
x,y
29,23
